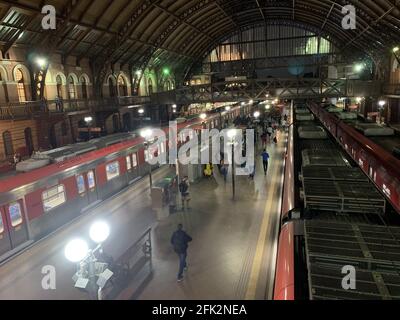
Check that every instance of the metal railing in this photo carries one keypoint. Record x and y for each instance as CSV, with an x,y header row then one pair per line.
x,y
131,269
24,110
256,89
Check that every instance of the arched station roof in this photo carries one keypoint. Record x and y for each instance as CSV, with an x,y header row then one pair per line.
x,y
180,32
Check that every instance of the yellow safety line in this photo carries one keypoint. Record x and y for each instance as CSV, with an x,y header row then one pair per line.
x,y
255,270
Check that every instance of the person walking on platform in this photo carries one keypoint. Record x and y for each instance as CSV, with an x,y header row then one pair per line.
x,y
179,241
265,157
184,190
208,171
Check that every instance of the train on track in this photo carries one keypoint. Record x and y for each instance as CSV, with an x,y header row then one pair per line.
x,y
35,203
328,205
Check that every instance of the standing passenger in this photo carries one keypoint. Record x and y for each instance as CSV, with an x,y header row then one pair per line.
x,y
184,189
180,240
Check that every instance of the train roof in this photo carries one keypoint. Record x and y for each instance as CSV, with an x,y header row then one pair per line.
x,y
112,144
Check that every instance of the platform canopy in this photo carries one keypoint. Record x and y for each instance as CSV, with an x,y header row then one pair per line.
x,y
180,32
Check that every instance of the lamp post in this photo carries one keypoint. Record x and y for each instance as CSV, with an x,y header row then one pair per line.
x,y
89,269
88,121
381,104
146,134
231,136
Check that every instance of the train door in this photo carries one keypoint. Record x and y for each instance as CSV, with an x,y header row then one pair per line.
x,y
13,228
5,241
91,185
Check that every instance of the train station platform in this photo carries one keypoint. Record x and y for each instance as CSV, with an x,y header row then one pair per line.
x,y
232,255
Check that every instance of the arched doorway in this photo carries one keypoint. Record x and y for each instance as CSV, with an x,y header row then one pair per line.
x,y
84,88
8,144
4,85
59,86
71,88
19,78
115,121
127,121
111,87
28,140
122,86
53,137
149,86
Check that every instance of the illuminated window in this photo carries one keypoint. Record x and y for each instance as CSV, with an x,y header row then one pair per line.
x,y
128,163
134,160
1,225
53,197
112,170
19,78
91,180
80,182
14,211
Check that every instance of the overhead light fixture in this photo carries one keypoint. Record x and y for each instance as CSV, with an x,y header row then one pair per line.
x,y
359,99
88,119
166,71
174,106
41,62
256,114
141,111
138,73
203,116
359,67
227,108
251,101
396,49
381,103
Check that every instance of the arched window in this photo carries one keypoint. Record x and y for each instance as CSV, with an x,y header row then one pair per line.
x,y
59,86
8,144
123,88
28,140
19,78
111,87
84,88
149,86
71,88
5,90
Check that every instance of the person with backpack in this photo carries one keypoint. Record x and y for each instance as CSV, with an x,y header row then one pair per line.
x,y
179,241
184,190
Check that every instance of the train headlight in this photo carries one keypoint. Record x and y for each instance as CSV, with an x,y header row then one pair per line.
x,y
76,250
99,231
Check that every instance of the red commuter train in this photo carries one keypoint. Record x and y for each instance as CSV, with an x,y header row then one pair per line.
x,y
380,166
35,203
377,163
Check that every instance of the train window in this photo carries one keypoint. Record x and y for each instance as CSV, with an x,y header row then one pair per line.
x,y
14,211
53,197
162,147
1,225
91,181
128,163
112,170
386,190
134,160
80,182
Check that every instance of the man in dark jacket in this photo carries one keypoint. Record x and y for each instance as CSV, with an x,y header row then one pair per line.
x,y
180,240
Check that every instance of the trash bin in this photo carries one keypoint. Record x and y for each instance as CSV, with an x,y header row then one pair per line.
x,y
162,194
